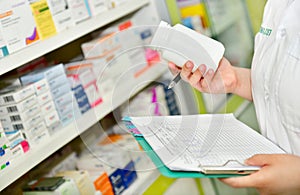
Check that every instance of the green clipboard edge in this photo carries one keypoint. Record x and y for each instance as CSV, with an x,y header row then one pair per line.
x,y
174,174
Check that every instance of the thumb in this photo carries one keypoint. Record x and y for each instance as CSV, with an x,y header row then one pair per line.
x,y
259,160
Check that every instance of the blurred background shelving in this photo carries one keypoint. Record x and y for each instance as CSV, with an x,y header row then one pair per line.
x,y
233,22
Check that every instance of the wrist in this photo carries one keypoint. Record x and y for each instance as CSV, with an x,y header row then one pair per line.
x,y
232,81
236,83
242,83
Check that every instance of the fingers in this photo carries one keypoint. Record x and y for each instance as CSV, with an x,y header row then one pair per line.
x,y
260,160
173,68
200,78
242,182
186,71
207,79
196,77
192,77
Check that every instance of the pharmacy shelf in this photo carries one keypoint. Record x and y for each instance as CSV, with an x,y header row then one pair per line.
x,y
113,99
43,47
225,23
221,18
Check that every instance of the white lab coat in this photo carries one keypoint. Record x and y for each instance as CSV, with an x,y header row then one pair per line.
x,y
275,74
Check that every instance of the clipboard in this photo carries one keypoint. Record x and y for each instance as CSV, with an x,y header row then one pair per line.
x,y
165,171
208,171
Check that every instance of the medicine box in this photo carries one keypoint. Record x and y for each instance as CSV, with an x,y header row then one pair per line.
x,y
18,145
47,108
81,73
19,107
81,179
52,118
41,86
22,116
49,73
43,18
61,13
18,26
101,46
79,9
51,186
129,174
54,127
5,153
44,98
3,47
37,134
15,95
116,180
78,93
14,138
61,90
9,125
65,109
20,149
109,60
58,81
65,99
81,98
97,172
101,181
97,6
67,117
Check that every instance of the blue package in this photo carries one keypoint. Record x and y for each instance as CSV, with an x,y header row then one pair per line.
x,y
116,180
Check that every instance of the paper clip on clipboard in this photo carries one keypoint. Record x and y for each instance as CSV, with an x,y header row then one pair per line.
x,y
230,167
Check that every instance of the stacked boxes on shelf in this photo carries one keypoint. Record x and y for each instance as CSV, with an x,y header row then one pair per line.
x,y
80,96
17,143
20,115
132,45
25,116
41,89
104,160
23,22
106,179
155,100
18,106
108,60
81,76
170,98
56,103
5,153
107,171
81,179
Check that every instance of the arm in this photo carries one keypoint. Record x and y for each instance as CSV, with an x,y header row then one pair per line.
x,y
226,79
